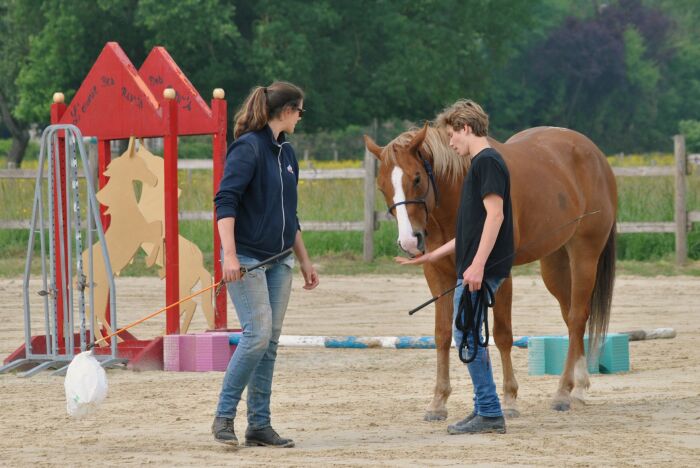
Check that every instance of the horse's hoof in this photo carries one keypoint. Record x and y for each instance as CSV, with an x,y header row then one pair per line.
x,y
435,416
561,406
577,403
511,413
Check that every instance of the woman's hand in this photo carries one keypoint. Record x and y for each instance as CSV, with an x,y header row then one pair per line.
x,y
417,260
310,275
231,269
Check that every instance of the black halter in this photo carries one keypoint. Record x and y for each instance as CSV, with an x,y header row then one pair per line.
x,y
431,182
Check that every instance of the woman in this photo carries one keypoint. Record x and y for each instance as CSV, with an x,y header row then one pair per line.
x,y
256,212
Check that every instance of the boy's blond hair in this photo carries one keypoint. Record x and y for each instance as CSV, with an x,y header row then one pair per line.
x,y
465,112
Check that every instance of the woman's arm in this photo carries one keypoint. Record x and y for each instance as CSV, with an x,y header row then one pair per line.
x,y
231,267
307,269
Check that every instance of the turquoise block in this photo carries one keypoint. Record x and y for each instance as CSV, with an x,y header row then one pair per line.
x,y
593,367
536,363
615,355
547,355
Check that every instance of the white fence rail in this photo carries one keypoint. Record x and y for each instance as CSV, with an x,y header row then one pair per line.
x,y
680,226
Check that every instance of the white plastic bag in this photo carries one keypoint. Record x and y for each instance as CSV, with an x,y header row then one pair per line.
x,y
86,385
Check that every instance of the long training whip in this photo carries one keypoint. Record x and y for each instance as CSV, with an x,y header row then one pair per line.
x,y
447,291
215,285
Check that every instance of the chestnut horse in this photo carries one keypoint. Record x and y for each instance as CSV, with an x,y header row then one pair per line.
x,y
564,200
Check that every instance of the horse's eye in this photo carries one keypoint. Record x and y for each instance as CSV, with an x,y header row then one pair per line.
x,y
416,181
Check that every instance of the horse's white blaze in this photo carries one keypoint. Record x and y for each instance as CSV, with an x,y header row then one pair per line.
x,y
406,240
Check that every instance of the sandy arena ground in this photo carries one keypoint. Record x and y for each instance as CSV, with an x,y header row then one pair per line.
x,y
365,407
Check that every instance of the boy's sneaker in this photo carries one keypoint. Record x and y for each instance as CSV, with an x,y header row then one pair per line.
x,y
479,425
267,437
222,428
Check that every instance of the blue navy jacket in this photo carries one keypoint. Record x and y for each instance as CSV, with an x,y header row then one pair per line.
x,y
259,189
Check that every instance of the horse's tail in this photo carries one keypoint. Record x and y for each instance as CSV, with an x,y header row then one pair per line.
x,y
207,299
601,299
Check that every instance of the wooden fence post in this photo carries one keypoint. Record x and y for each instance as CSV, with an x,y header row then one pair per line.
x,y
368,243
681,214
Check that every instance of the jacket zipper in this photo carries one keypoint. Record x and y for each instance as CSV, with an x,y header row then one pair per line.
x,y
284,219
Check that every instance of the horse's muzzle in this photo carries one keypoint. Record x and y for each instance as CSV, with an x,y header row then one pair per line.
x,y
421,241
415,246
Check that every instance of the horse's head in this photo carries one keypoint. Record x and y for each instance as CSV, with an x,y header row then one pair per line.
x,y
407,181
131,166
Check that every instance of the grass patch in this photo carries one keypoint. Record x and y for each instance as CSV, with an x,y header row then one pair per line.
x,y
640,199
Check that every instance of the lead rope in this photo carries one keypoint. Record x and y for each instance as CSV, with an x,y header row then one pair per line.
x,y
469,319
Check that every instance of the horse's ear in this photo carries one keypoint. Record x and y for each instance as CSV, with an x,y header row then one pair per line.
x,y
373,147
131,147
418,139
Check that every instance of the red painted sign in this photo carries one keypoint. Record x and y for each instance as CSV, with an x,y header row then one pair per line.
x,y
114,102
159,72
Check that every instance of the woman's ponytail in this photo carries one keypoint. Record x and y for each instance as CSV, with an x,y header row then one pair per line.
x,y
253,114
263,104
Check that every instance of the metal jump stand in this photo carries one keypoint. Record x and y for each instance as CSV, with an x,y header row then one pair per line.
x,y
64,277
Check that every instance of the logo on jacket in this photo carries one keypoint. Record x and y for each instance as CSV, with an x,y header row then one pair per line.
x,y
289,169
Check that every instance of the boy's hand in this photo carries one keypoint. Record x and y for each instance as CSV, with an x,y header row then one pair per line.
x,y
417,260
473,276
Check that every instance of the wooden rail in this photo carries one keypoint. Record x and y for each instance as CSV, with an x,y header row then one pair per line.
x,y
680,226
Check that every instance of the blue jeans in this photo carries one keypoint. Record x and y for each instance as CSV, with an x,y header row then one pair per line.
x,y
486,402
260,299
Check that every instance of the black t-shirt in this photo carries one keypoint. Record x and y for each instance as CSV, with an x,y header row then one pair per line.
x,y
487,174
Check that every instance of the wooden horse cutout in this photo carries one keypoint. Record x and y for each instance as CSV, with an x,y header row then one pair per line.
x,y
138,223
128,228
564,200
192,270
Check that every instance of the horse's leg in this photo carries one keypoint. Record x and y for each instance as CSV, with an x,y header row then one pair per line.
x,y
100,293
503,336
120,254
207,298
583,264
556,274
437,410
186,312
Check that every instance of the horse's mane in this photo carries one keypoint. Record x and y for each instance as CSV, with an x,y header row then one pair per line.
x,y
446,164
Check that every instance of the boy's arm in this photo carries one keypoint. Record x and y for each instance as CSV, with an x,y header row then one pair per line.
x,y
445,249
474,275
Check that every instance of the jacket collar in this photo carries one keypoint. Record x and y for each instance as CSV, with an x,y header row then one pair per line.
x,y
266,131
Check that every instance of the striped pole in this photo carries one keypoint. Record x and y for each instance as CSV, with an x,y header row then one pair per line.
x,y
414,342
358,342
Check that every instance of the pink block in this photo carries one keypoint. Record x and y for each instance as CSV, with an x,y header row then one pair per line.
x,y
228,349
212,352
171,352
188,347
179,353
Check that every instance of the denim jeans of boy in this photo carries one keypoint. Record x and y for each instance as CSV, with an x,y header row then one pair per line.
x,y
260,299
486,402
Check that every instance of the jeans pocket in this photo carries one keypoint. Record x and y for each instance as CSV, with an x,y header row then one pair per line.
x,y
254,274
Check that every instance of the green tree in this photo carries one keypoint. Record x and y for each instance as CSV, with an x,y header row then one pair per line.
x,y
17,25
200,35
73,34
600,74
392,59
678,104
